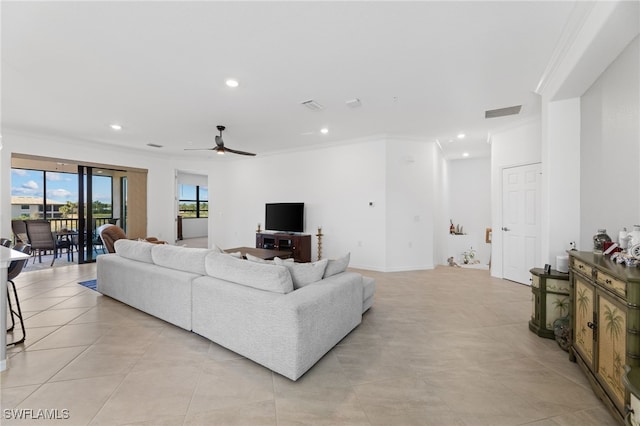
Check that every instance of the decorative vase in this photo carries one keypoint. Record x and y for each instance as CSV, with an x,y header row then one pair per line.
x,y
599,240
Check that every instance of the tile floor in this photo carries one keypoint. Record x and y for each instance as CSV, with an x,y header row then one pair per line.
x,y
442,347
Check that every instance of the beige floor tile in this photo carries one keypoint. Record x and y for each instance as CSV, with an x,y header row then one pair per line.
x,y
82,300
36,367
231,384
11,397
148,396
442,347
76,401
39,303
261,413
345,410
54,317
73,335
34,335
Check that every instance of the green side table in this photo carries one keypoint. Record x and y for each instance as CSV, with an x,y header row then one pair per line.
x,y
550,300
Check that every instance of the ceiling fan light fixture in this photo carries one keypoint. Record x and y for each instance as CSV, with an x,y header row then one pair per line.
x,y
232,82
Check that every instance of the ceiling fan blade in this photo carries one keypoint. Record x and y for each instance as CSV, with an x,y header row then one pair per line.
x,y
199,149
239,152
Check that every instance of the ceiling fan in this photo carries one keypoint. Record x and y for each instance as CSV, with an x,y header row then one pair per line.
x,y
220,148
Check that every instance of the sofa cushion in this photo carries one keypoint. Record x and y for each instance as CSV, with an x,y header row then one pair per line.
x,y
187,259
336,266
135,250
262,276
304,273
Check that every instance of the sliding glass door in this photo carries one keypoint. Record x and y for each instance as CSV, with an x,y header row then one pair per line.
x,y
96,195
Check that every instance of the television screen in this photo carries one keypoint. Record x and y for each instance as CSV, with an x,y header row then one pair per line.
x,y
284,217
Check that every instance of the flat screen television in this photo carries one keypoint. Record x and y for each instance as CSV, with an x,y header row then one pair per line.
x,y
284,217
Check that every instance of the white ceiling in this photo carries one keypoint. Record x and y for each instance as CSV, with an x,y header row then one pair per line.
x,y
422,70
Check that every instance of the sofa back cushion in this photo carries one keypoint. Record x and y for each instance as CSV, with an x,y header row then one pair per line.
x,y
188,259
135,250
262,276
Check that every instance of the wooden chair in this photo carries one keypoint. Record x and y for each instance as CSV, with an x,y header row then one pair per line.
x,y
15,267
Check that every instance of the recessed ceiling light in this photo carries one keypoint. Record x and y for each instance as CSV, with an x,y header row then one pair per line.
x,y
232,82
116,126
461,135
324,130
465,154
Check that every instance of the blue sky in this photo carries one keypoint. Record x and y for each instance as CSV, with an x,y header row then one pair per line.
x,y
61,187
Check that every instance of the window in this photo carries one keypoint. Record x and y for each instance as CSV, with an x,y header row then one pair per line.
x,y
40,194
193,201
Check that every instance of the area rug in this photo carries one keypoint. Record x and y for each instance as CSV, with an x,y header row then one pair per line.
x,y
90,284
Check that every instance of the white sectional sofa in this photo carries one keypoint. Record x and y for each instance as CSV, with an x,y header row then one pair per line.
x,y
284,316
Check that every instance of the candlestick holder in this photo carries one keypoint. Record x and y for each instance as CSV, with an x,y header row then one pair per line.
x,y
319,235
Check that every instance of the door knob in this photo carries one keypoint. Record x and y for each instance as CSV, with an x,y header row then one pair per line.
x,y
504,228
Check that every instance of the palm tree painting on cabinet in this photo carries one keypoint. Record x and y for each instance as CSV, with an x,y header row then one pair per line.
x,y
560,307
584,314
611,365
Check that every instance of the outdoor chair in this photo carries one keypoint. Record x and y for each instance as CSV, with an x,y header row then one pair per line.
x,y
5,242
19,229
15,267
41,239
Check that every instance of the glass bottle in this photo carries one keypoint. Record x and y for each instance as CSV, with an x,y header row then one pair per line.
x,y
599,240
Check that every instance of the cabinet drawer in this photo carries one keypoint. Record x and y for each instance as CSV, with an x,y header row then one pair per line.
x,y
613,284
582,267
535,281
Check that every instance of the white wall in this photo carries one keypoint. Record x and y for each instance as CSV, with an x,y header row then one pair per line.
x,y
610,149
513,147
470,207
561,178
411,205
573,187
336,184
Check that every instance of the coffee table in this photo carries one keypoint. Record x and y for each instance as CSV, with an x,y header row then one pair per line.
x,y
261,253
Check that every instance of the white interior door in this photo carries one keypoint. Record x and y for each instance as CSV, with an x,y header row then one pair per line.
x,y
520,221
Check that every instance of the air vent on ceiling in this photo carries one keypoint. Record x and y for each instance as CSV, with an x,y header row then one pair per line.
x,y
154,145
353,103
312,105
501,112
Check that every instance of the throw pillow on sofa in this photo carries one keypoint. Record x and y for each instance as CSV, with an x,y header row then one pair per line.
x,y
304,273
262,276
253,258
336,266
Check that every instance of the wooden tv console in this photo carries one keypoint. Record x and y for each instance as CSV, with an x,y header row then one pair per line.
x,y
298,244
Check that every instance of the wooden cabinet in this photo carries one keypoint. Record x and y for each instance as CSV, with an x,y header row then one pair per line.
x,y
605,306
550,300
298,244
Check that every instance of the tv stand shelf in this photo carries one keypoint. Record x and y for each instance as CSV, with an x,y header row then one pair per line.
x,y
298,244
